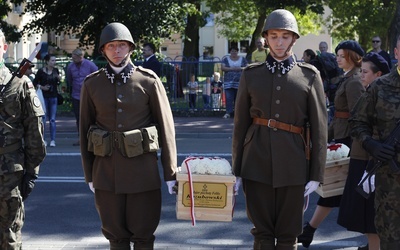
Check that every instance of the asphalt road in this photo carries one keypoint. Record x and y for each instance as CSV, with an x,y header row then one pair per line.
x,y
60,213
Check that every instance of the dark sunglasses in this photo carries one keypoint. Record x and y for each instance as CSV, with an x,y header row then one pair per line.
x,y
374,41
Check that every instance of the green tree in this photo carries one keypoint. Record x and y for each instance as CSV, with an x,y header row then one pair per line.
x,y
11,32
146,19
195,20
394,30
361,20
246,19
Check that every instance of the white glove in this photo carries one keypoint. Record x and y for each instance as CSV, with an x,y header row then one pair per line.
x,y
367,181
91,186
310,187
237,185
170,185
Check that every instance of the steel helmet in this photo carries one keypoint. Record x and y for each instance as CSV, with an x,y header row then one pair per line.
x,y
282,20
115,32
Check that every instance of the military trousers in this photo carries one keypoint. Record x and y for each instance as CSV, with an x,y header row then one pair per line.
x,y
129,218
387,207
12,213
276,213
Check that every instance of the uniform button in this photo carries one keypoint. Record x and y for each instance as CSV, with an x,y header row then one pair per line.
x,y
276,115
119,83
275,129
278,87
278,101
279,75
119,110
119,96
119,125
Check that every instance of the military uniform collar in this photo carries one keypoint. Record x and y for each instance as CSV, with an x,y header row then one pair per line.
x,y
123,75
282,67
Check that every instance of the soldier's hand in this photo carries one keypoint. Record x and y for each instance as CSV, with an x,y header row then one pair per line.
x,y
378,150
236,187
368,184
171,187
27,185
310,187
91,187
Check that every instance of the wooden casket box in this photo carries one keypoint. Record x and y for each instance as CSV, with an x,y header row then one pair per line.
x,y
334,178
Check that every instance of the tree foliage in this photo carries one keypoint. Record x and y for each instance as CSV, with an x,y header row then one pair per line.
x,y
361,20
146,19
10,31
246,19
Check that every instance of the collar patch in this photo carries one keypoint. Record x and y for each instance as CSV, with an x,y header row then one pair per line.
x,y
124,74
282,67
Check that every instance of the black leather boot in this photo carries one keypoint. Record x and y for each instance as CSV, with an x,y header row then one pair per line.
x,y
307,236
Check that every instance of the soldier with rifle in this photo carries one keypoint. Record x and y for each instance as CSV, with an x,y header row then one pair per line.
x,y
374,122
21,146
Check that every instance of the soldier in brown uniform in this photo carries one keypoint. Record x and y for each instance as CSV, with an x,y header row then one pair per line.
x,y
123,110
22,149
276,100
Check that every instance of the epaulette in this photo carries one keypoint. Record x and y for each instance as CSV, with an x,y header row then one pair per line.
x,y
94,73
148,71
308,66
254,65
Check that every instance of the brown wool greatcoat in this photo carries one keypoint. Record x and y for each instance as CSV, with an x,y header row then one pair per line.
x,y
118,106
277,157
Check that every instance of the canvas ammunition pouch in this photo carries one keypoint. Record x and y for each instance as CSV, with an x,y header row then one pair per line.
x,y
130,143
150,139
99,141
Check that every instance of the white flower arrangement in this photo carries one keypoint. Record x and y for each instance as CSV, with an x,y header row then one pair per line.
x,y
337,151
206,166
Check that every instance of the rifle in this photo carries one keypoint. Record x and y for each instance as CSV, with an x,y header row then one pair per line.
x,y
23,66
393,140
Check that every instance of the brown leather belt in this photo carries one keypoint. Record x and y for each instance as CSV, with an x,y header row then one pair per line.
x,y
343,115
271,123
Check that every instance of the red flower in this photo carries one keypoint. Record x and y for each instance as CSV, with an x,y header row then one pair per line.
x,y
334,147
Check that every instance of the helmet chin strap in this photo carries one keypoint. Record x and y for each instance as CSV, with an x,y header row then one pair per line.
x,y
123,63
287,53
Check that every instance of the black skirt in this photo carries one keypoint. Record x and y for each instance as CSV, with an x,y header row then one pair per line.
x,y
333,201
356,213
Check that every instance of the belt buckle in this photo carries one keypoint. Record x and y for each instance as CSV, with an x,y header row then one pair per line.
x,y
269,125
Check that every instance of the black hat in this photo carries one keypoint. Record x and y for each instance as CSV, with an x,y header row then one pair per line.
x,y
378,60
351,45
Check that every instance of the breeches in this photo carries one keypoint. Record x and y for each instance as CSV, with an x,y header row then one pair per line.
x,y
129,217
277,213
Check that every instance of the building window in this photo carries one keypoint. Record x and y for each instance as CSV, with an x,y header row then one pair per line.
x,y
17,8
74,36
210,20
242,45
208,52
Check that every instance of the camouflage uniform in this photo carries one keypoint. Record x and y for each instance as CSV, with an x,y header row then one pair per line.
x,y
376,113
21,151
